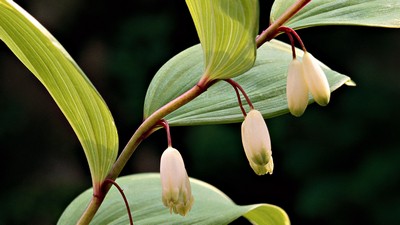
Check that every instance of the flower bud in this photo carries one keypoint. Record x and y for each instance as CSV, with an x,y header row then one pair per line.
x,y
296,88
176,190
257,143
316,80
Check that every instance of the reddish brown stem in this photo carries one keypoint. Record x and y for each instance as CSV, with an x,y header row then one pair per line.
x,y
290,36
109,181
290,32
237,87
165,124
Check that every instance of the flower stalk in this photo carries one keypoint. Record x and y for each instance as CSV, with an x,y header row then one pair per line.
x,y
165,124
124,198
238,88
292,33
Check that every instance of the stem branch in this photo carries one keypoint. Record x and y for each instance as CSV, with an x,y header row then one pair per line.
x,y
290,32
272,30
237,87
149,124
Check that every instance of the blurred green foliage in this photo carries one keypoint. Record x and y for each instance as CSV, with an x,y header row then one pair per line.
x,y
334,165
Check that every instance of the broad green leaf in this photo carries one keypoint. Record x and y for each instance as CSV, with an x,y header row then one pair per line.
x,y
227,31
379,13
77,98
265,84
143,191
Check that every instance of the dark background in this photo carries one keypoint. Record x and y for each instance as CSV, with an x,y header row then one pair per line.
x,y
335,165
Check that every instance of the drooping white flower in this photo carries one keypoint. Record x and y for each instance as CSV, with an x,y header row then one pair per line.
x,y
296,88
316,80
257,143
176,190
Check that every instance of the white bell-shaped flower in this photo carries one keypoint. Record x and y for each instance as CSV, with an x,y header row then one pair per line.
x,y
257,143
296,88
176,190
316,80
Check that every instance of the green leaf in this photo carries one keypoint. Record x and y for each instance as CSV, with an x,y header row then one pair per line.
x,y
143,192
227,31
379,13
265,84
77,98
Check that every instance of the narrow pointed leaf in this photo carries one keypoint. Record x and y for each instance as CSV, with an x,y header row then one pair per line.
x,y
265,84
378,13
143,191
227,31
74,94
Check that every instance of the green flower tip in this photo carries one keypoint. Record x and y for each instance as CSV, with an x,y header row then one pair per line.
x,y
303,78
176,190
256,143
316,80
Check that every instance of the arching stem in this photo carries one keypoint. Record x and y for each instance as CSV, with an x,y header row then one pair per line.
x,y
149,124
165,124
238,88
123,196
290,33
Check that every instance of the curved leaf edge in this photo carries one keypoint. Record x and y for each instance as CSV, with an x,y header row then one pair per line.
x,y
114,211
77,98
267,214
184,115
296,21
